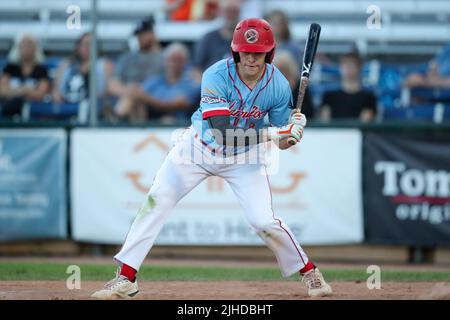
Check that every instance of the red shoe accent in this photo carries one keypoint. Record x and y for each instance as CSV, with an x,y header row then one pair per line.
x,y
128,272
307,267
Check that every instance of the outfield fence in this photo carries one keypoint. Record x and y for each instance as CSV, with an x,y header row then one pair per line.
x,y
346,183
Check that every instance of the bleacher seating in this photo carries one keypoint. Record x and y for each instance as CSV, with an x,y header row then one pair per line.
x,y
52,63
431,94
76,112
386,79
431,113
55,110
388,89
408,26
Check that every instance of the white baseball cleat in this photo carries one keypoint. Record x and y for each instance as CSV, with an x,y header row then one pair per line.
x,y
119,287
317,287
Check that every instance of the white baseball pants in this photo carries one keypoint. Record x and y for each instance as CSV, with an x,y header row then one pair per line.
x,y
177,178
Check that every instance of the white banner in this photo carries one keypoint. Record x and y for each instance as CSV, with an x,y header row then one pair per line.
x,y
317,190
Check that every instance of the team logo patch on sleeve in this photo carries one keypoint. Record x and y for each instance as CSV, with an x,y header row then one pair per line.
x,y
212,100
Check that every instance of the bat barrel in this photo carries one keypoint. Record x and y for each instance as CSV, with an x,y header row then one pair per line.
x,y
308,58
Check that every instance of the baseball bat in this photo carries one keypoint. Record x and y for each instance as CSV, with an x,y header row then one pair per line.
x,y
308,58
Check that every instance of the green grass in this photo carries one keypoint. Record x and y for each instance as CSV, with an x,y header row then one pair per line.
x,y
57,271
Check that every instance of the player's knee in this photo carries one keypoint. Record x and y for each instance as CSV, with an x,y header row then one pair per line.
x,y
161,200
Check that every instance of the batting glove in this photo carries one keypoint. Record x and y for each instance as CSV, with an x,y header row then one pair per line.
x,y
290,130
297,118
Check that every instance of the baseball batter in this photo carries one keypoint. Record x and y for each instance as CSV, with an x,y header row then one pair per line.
x,y
236,95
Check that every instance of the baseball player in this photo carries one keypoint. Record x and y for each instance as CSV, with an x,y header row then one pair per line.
x,y
236,94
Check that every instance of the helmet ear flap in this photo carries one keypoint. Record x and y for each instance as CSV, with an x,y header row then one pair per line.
x,y
236,57
270,55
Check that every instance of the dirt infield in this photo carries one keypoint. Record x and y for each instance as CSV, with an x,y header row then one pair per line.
x,y
225,290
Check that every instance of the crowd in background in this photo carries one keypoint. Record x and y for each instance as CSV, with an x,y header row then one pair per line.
x,y
156,83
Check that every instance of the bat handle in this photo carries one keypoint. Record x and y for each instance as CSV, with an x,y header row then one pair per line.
x,y
291,141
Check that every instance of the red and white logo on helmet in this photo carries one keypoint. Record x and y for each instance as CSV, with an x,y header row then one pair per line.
x,y
251,35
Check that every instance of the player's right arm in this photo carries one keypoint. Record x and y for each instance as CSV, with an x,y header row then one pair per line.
x,y
215,103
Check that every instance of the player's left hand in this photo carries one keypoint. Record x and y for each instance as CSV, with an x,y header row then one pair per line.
x,y
297,118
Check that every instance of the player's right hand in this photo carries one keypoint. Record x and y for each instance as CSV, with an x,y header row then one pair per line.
x,y
297,118
290,130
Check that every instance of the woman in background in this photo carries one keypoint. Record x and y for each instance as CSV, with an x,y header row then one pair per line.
x,y
282,33
72,77
24,78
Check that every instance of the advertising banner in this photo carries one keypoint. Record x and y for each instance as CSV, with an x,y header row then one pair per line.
x,y
33,201
316,190
407,189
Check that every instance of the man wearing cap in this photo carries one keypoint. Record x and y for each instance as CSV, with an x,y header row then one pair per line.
x,y
133,68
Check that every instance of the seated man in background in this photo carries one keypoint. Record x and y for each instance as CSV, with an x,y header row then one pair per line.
x,y
286,63
438,75
134,67
72,77
351,101
169,97
24,78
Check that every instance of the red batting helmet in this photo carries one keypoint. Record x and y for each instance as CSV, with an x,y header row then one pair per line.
x,y
253,35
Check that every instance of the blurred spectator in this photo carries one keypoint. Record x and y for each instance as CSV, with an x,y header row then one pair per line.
x,y
211,10
286,63
169,97
186,10
215,45
133,68
280,25
179,10
24,78
72,80
351,101
438,75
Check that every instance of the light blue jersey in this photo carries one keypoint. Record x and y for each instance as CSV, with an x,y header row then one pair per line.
x,y
224,93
